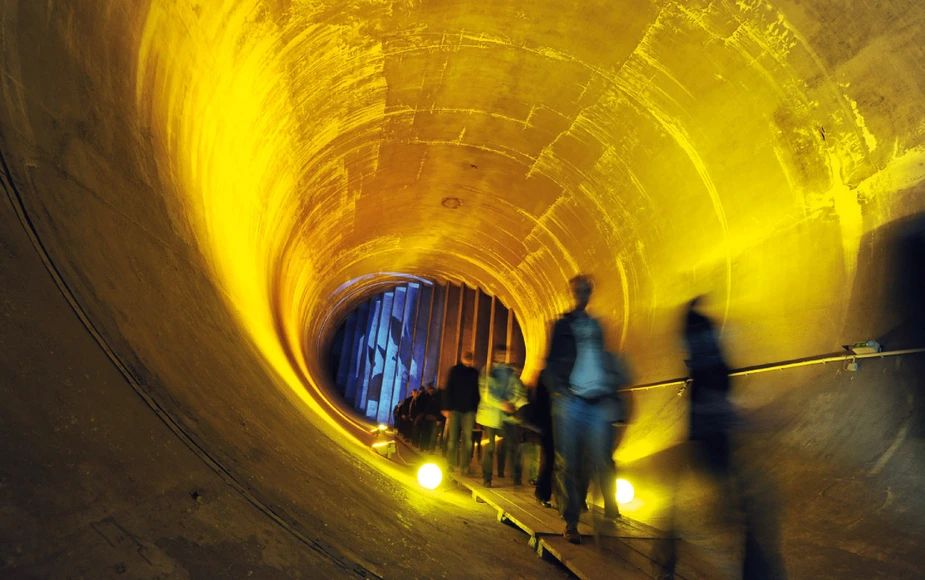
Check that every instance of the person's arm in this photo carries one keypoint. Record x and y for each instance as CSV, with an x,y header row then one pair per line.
x,y
445,402
623,374
449,392
556,374
519,392
477,396
555,344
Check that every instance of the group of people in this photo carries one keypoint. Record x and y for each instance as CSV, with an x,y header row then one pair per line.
x,y
570,416
418,417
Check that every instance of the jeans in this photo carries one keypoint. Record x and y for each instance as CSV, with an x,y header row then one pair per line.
x,y
510,448
416,431
424,433
531,451
512,452
460,423
488,454
584,429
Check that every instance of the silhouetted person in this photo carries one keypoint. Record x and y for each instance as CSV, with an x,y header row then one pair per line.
x,y
417,411
585,406
541,418
396,417
404,412
712,415
432,419
530,448
425,409
907,297
713,418
461,401
502,394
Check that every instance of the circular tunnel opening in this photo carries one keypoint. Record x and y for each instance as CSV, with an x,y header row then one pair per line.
x,y
407,336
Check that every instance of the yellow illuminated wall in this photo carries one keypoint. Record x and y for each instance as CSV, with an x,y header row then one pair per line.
x,y
668,149
749,149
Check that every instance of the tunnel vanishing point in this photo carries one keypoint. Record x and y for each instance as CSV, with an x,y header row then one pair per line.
x,y
197,192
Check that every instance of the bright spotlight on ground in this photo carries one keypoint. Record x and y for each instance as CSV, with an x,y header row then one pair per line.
x,y
383,427
625,491
430,476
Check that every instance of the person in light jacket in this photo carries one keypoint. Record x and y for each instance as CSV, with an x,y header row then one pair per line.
x,y
502,393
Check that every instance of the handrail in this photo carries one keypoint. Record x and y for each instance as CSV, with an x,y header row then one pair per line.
x,y
804,362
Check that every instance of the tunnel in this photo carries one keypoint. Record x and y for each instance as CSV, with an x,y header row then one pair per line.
x,y
198,193
409,335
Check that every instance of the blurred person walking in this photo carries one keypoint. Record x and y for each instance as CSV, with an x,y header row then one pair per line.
x,y
713,419
541,418
502,394
583,379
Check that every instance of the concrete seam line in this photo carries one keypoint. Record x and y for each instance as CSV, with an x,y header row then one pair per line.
x,y
320,546
888,454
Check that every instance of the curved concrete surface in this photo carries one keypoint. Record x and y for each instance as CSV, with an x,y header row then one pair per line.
x,y
210,183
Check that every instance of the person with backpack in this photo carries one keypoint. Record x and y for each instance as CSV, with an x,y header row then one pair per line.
x,y
502,394
583,379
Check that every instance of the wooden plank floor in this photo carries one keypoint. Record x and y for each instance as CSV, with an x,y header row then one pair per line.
x,y
625,549
535,519
587,563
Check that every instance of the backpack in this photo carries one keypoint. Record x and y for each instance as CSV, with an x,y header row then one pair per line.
x,y
619,377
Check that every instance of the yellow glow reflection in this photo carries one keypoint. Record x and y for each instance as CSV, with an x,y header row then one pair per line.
x,y
223,112
430,475
273,121
625,491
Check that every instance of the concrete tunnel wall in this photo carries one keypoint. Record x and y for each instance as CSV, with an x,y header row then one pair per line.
x,y
217,182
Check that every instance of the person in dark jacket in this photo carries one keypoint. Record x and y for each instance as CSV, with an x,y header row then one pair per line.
x,y
402,422
541,418
712,415
582,379
461,400
425,410
713,418
433,418
417,412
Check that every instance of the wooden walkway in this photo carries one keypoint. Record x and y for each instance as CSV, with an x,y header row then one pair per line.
x,y
622,550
